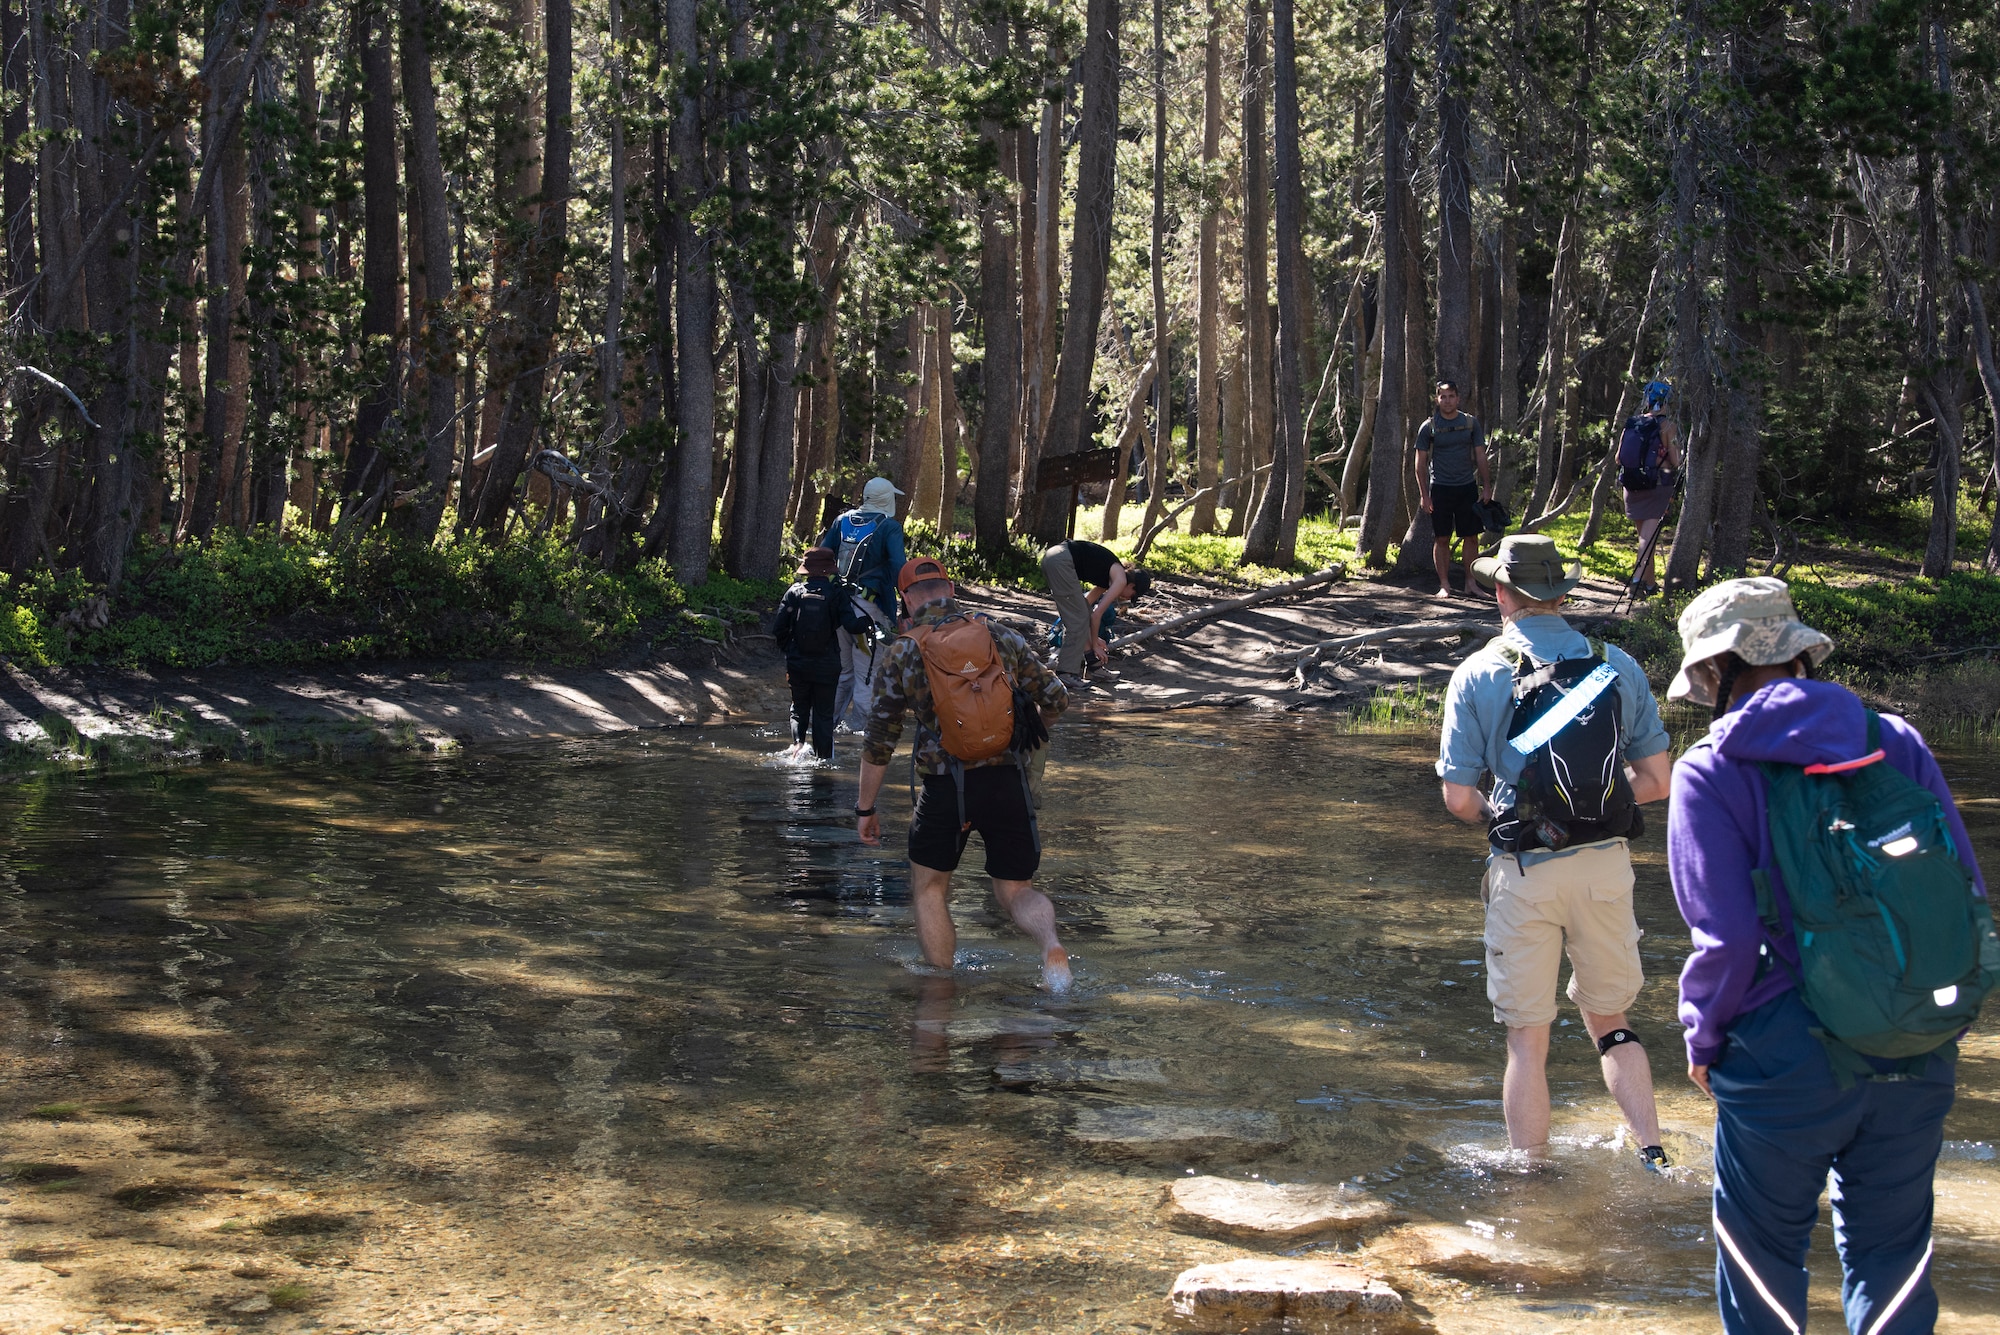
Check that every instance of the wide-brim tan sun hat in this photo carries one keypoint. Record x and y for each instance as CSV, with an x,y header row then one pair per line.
x,y
1530,565
1751,618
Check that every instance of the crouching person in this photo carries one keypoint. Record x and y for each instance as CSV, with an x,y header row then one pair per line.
x,y
810,618
1842,943
982,703
1533,707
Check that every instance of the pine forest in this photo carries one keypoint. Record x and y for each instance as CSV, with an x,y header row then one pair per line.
x,y
666,280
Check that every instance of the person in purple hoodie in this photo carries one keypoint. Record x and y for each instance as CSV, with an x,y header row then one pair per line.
x,y
1784,1116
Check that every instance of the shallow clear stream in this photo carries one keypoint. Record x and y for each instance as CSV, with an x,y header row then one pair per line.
x,y
631,1030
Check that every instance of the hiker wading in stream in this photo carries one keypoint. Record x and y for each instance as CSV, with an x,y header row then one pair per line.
x,y
1568,732
983,702
867,543
810,616
1070,567
1454,478
1843,942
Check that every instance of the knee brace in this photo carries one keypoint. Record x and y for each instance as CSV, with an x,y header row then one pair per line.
x,y
1616,1038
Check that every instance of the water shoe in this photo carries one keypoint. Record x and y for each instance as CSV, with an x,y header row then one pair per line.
x,y
1654,1158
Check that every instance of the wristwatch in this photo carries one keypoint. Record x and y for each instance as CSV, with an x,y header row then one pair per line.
x,y
864,811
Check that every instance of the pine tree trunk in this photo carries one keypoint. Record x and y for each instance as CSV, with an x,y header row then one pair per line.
x,y
434,340
1159,458
1257,354
1385,465
1000,369
367,481
1208,299
540,293
1288,475
1070,417
1454,257
517,182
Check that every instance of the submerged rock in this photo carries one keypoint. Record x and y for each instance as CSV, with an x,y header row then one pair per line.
x,y
1066,1071
1472,1251
1137,1127
982,1028
1276,1211
1297,1292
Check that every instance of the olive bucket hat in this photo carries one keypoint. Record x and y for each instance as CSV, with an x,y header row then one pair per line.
x,y
1751,618
1531,565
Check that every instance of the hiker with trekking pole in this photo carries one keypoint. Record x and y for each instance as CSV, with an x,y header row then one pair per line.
x,y
1842,944
867,542
983,703
1649,464
1536,709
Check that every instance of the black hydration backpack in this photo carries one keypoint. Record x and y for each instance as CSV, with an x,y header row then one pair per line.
x,y
1639,453
812,626
1569,725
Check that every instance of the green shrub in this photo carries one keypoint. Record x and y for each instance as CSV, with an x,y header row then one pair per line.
x,y
260,599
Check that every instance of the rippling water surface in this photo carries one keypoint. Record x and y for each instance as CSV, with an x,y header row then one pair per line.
x,y
632,1029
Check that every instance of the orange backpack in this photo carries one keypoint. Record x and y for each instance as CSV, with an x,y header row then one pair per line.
x,y
970,690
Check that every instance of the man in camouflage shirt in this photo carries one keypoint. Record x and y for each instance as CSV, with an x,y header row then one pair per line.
x,y
996,801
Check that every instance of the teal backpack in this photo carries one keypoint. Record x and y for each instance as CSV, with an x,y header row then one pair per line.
x,y
1896,947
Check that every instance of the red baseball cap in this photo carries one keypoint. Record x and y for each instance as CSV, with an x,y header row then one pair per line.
x,y
918,569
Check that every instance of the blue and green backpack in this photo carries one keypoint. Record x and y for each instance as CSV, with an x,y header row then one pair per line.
x,y
1896,946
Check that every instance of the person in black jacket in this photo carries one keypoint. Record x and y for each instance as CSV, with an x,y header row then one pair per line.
x,y
810,617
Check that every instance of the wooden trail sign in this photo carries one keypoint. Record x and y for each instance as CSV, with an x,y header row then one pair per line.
x,y
1073,470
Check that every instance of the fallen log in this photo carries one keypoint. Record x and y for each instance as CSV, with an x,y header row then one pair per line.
x,y
1421,633
1213,610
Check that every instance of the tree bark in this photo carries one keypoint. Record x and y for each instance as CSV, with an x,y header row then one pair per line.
x,y
1069,426
1000,368
1208,298
1159,457
517,183
540,291
367,480
1385,466
1287,490
1454,255
1257,354
434,341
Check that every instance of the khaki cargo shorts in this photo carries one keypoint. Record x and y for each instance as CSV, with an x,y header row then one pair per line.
x,y
1580,904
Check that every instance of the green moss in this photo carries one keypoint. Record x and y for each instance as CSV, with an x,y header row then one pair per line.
x,y
284,1297
57,1112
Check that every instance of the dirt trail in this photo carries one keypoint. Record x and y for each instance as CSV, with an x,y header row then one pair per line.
x,y
1244,658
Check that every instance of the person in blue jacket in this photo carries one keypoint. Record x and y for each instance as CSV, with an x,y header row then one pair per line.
x,y
867,543
1784,1117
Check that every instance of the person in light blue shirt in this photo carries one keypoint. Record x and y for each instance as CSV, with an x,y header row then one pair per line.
x,y
1542,901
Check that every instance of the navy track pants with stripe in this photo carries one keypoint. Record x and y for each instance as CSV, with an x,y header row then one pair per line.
x,y
1782,1122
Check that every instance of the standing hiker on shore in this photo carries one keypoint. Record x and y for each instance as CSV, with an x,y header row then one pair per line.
x,y
1535,705
983,703
1454,478
810,617
1842,944
1648,468
1071,566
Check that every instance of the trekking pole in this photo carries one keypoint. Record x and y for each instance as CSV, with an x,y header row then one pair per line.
x,y
1646,549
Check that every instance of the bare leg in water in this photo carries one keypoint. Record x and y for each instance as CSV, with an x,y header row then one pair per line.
x,y
930,894
1629,1077
1525,1091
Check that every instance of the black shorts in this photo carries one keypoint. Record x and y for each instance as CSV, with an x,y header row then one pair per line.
x,y
1455,511
996,802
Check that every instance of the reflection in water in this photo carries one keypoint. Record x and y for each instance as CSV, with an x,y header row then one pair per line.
x,y
648,1001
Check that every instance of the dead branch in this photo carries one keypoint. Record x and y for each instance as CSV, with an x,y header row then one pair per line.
x,y
1213,610
1422,633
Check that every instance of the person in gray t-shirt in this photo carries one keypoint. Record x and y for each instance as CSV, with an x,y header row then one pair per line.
x,y
1453,477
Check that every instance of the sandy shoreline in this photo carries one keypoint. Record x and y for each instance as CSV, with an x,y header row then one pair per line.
x,y
101,719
